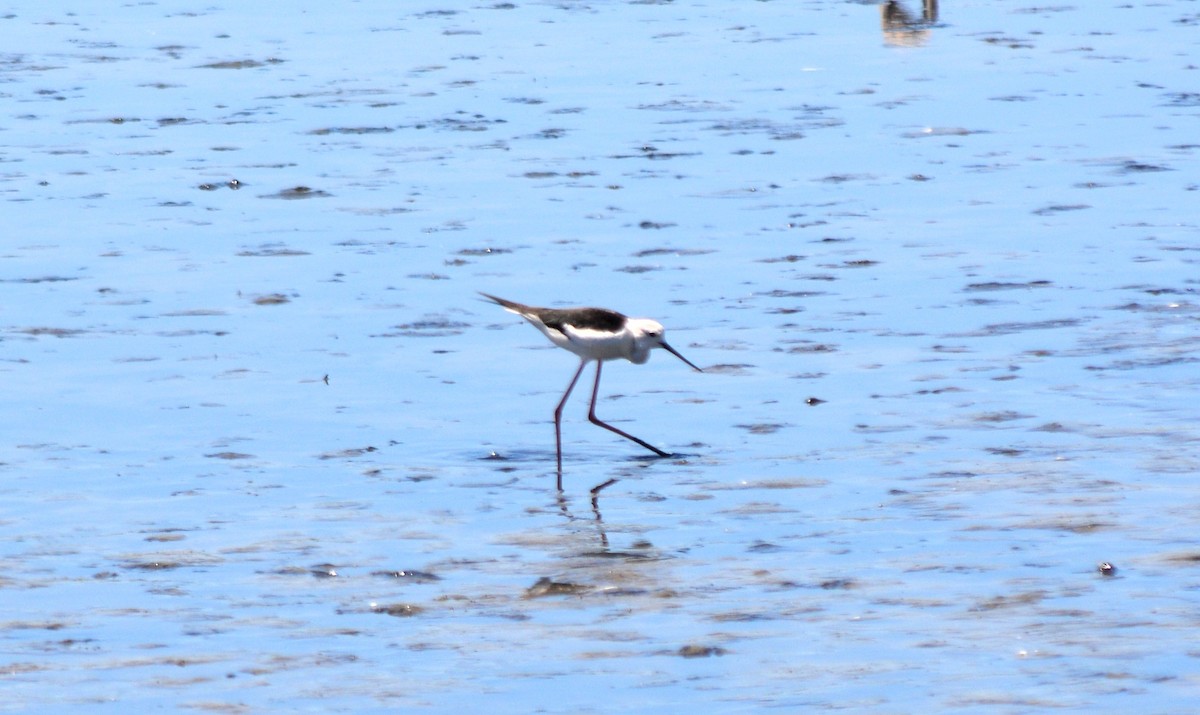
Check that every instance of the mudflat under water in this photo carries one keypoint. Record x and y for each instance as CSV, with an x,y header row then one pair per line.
x,y
267,450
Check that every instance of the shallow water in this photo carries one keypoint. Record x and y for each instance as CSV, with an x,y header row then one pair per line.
x,y
268,450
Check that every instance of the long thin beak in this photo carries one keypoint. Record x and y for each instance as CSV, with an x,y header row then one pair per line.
x,y
675,352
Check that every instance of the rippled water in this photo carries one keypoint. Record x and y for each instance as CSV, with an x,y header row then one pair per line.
x,y
268,450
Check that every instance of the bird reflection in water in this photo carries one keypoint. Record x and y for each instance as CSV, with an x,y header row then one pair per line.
x,y
903,28
562,505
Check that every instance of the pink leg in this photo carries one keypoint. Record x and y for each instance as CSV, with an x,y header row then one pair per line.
x,y
596,421
558,420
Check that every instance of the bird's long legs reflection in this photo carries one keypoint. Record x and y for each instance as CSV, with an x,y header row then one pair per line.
x,y
598,517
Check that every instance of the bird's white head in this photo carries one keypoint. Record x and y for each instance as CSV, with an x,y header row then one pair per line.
x,y
647,335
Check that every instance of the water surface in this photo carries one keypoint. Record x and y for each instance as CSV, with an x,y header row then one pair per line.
x,y
268,450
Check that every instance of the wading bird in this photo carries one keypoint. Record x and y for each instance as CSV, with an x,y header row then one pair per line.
x,y
594,334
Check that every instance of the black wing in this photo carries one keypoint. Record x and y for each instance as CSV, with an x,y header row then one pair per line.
x,y
609,321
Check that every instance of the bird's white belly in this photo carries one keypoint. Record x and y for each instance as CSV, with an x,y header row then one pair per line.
x,y
595,345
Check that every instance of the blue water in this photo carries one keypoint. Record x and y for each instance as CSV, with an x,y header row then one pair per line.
x,y
267,450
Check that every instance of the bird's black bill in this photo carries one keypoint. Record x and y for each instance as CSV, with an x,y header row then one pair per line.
x,y
675,352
